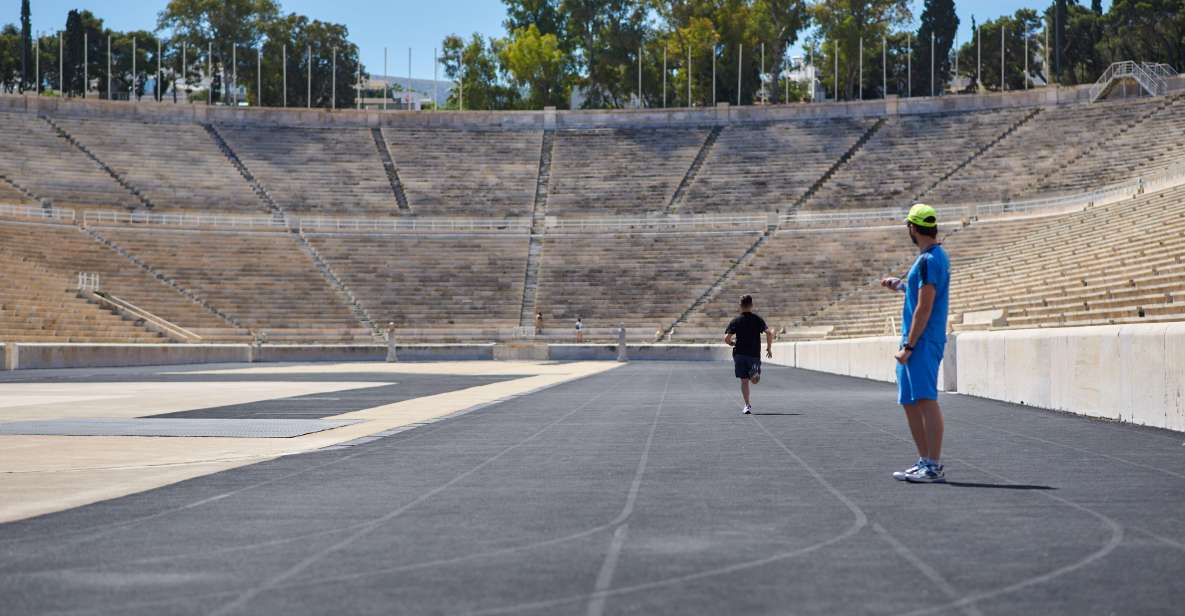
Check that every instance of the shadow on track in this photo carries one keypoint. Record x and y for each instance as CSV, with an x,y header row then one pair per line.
x,y
997,486
782,414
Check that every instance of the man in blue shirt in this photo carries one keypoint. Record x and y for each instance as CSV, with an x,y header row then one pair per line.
x,y
923,342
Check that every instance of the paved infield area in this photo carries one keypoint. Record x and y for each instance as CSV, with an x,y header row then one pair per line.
x,y
643,490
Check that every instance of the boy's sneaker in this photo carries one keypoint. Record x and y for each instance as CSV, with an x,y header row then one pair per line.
x,y
748,410
928,473
901,475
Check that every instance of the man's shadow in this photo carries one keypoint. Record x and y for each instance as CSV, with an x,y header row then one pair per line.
x,y
996,486
780,414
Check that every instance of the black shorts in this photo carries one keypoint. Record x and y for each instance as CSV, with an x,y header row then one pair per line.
x,y
745,366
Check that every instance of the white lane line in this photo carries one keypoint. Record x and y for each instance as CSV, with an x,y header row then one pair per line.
x,y
1078,449
247,596
1112,543
858,523
596,607
930,572
101,530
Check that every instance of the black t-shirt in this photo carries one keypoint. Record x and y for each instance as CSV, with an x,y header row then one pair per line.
x,y
748,329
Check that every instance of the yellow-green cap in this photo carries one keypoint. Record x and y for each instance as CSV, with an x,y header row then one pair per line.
x,y
922,215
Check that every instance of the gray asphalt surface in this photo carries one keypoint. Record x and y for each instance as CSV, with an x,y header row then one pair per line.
x,y
643,491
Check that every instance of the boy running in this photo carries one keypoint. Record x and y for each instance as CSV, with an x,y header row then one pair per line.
x,y
746,348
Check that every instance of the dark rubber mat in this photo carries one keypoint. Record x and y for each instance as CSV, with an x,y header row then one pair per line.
x,y
233,428
328,404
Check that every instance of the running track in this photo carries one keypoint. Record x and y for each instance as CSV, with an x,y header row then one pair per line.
x,y
639,491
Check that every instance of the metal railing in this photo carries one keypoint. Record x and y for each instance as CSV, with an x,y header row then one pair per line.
x,y
180,219
1152,77
154,322
395,225
36,212
88,281
752,222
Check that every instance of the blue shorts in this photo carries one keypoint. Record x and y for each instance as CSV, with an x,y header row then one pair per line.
x,y
745,366
917,379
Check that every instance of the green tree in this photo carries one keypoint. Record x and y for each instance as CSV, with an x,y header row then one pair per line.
x,y
841,26
605,36
213,30
736,31
538,66
26,49
474,68
940,22
1147,31
1016,28
10,62
308,44
1084,56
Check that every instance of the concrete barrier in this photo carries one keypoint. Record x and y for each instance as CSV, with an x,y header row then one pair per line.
x,y
445,352
32,355
321,352
866,358
641,352
1132,373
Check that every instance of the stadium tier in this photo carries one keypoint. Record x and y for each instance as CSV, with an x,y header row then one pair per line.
x,y
910,153
321,283
798,272
313,170
637,279
622,172
447,172
44,163
430,281
67,251
262,280
36,306
1121,263
174,166
773,164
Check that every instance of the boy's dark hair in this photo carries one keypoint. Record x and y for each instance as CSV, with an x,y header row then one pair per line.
x,y
927,231
746,301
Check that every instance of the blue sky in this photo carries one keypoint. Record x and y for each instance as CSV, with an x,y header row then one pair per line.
x,y
397,25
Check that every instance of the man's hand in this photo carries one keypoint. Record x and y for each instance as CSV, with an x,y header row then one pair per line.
x,y
891,283
903,356
769,353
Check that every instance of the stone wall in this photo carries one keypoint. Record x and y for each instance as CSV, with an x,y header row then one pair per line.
x,y
724,114
1131,373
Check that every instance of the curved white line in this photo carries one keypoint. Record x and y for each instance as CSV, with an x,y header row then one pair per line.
x,y
250,594
1112,543
859,522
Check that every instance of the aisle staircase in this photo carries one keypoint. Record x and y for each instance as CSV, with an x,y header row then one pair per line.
x,y
538,223
693,171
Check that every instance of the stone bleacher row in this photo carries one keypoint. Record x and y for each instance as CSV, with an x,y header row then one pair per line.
x,y
493,173
798,272
37,305
430,282
266,281
1122,263
907,154
1083,268
638,279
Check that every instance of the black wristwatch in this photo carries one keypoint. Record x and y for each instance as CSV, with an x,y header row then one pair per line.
x,y
907,347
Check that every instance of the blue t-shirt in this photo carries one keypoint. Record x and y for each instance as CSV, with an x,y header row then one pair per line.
x,y
931,267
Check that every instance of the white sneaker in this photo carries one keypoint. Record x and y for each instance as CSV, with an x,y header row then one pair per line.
x,y
748,410
929,473
902,475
